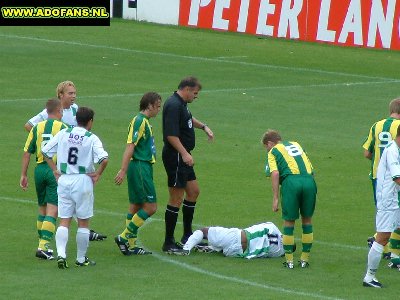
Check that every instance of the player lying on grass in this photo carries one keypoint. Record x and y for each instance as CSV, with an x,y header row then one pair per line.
x,y
260,240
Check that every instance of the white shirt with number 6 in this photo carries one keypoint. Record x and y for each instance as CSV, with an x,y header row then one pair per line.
x,y
77,150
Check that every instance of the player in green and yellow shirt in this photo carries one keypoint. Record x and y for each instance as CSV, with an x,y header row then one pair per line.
x,y
45,182
380,135
289,167
137,164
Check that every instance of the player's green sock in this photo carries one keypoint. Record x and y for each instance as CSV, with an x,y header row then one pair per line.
x,y
288,242
306,239
130,232
39,224
394,243
128,219
48,229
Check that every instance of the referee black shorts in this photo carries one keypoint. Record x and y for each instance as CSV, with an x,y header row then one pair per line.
x,y
178,172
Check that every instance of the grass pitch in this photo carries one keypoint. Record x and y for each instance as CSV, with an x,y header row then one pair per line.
x,y
324,97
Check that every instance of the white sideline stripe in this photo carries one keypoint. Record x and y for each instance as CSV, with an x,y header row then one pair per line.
x,y
287,87
192,57
189,267
111,213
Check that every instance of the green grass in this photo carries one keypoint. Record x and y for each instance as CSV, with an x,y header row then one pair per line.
x,y
324,97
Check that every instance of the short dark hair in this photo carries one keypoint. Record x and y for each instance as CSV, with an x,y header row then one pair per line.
x,y
190,81
84,115
148,99
52,105
271,136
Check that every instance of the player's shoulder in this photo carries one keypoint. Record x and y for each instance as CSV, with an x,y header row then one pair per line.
x,y
381,121
74,105
61,123
139,118
173,101
295,143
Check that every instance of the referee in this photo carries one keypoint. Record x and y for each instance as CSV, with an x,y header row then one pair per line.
x,y
179,141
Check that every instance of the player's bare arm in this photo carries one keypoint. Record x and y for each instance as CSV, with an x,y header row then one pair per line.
x,y
23,182
275,190
96,175
119,178
203,126
367,154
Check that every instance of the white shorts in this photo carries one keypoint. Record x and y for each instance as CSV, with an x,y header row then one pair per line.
x,y
229,240
387,220
75,196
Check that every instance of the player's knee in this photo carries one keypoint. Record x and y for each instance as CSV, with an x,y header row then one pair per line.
x,y
151,209
193,194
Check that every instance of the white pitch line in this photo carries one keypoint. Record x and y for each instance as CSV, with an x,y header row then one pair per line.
x,y
268,66
111,213
229,90
237,56
240,280
189,267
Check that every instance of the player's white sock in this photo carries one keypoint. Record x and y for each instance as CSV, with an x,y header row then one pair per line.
x,y
82,243
61,240
193,240
374,258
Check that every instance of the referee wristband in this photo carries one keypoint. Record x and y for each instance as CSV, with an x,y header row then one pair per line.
x,y
204,126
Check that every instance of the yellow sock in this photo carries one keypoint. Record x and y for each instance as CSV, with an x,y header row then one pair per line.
x,y
394,242
288,243
128,219
39,223
130,232
47,232
307,239
132,242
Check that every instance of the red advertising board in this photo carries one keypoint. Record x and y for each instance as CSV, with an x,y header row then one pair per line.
x,y
360,23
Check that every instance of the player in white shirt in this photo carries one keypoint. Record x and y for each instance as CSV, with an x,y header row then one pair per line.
x,y
77,151
258,241
387,211
66,92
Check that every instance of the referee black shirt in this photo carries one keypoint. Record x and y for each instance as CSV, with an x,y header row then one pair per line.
x,y
177,121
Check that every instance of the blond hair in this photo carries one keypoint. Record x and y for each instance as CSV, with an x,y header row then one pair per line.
x,y
61,87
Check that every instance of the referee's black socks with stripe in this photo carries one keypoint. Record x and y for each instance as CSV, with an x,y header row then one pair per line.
x,y
171,217
188,212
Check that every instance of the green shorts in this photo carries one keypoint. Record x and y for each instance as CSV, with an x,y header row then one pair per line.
x,y
140,182
298,193
46,185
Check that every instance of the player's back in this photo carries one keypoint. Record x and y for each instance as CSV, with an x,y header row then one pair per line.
x,y
78,150
40,134
380,135
289,158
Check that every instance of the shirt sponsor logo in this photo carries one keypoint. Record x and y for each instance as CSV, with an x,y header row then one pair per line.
x,y
75,139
